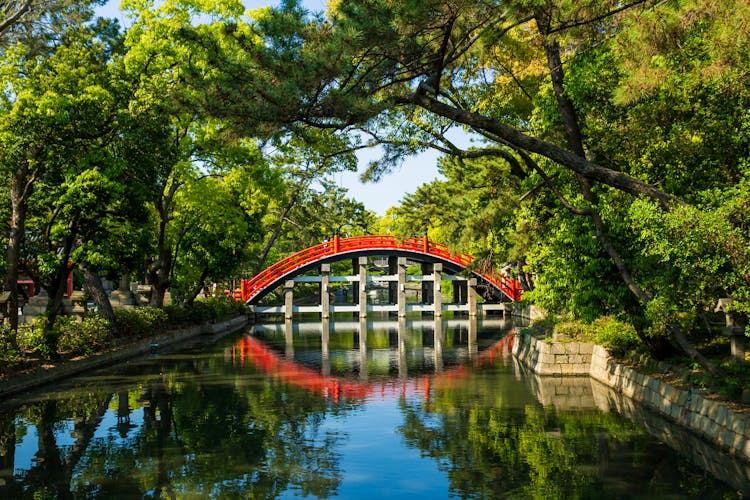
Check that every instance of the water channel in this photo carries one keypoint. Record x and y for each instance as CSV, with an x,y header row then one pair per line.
x,y
416,408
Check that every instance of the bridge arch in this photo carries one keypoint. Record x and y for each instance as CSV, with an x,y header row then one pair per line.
x,y
421,249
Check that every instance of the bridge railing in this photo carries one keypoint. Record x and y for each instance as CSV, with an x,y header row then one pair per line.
x,y
250,288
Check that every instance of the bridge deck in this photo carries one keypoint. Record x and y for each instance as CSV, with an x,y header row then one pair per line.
x,y
421,249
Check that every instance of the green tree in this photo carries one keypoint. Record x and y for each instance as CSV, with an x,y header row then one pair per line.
x,y
59,113
215,223
547,85
25,34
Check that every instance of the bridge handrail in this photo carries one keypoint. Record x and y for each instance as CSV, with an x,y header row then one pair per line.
x,y
336,246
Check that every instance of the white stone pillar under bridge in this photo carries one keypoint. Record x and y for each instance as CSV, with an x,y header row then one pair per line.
x,y
333,293
378,274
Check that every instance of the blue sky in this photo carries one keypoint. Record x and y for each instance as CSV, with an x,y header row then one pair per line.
x,y
379,196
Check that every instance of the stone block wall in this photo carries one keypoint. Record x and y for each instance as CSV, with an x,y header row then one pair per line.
x,y
553,358
708,418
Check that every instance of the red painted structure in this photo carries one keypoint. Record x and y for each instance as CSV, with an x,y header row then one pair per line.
x,y
255,288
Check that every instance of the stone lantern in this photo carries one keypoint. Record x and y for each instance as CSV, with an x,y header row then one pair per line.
x,y
734,329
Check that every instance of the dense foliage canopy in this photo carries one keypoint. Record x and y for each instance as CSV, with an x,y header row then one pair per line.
x,y
609,168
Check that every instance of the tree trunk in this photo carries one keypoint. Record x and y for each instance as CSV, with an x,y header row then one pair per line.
x,y
159,272
159,278
189,299
57,289
20,190
269,244
95,289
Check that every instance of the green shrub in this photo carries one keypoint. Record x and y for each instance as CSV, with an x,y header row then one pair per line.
x,y
10,355
139,322
177,314
540,327
224,308
573,329
86,336
212,309
31,338
614,334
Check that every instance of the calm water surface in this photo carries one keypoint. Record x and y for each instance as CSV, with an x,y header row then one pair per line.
x,y
376,409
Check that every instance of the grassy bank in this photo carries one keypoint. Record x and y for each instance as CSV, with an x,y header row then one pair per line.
x,y
92,334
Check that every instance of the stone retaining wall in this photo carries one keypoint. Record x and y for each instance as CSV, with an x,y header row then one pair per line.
x,y
553,358
710,419
70,368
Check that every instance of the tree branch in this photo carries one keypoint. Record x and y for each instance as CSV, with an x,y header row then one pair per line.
x,y
521,141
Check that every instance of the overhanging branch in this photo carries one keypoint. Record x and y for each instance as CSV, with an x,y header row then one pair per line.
x,y
518,139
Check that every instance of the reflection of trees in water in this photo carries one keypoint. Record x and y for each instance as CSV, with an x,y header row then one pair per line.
x,y
210,432
54,465
7,449
491,445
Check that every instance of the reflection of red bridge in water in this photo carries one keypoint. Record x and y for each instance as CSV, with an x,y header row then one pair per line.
x,y
251,350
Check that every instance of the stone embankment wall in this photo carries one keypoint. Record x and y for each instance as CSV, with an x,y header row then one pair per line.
x,y
553,358
710,419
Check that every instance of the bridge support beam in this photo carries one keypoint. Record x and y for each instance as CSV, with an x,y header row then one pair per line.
x,y
459,292
325,298
355,284
428,287
472,296
392,285
288,299
401,287
437,299
362,264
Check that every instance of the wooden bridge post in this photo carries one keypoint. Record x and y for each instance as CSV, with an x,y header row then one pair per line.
x,y
392,285
289,299
472,297
459,291
437,278
401,287
355,284
325,298
362,287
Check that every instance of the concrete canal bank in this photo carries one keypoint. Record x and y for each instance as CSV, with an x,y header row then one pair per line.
x,y
712,420
65,369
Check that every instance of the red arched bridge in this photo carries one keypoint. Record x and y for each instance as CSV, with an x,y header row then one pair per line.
x,y
420,249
